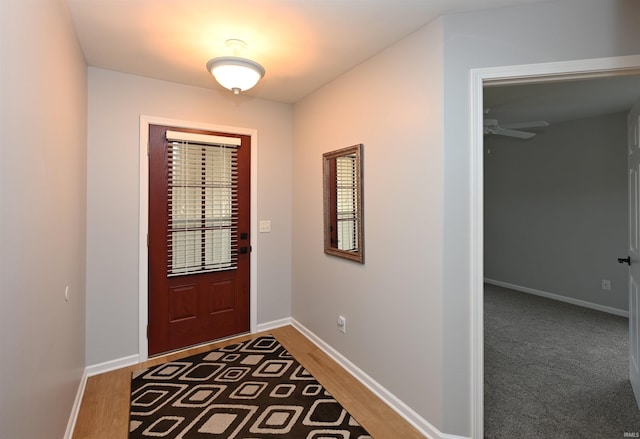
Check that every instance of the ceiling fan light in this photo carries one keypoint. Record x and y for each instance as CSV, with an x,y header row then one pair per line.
x,y
234,73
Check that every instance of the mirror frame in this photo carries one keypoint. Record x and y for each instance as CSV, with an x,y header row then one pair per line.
x,y
357,255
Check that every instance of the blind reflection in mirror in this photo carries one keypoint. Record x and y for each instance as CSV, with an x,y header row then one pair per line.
x,y
343,203
346,203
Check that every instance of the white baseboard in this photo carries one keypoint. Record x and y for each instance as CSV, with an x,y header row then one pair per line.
x,y
418,422
560,298
88,372
110,365
131,360
273,324
71,424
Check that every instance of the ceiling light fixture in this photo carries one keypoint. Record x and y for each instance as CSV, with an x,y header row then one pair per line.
x,y
235,73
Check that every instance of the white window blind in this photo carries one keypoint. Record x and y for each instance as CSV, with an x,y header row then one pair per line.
x,y
347,204
202,233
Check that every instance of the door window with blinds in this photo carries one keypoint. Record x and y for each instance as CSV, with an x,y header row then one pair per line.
x,y
202,233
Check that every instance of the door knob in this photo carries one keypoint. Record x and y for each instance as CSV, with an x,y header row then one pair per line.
x,y
623,260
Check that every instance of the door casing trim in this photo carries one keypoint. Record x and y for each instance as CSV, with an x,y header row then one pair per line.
x,y
143,219
516,74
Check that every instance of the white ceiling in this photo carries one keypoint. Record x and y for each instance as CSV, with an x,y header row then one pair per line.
x,y
302,44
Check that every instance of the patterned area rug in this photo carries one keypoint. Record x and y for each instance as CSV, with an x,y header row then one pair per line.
x,y
249,390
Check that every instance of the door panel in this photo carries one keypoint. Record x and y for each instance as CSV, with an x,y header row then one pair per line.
x,y
222,296
184,303
634,253
198,220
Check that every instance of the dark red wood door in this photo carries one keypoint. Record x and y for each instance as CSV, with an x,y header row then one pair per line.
x,y
199,243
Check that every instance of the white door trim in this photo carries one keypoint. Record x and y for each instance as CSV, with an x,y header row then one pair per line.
x,y
143,219
614,66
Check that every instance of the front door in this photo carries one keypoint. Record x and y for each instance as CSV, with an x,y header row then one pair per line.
x,y
199,246
634,249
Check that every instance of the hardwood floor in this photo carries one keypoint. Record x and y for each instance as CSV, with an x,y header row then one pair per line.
x,y
104,412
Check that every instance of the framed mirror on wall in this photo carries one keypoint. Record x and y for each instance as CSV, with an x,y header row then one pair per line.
x,y
343,213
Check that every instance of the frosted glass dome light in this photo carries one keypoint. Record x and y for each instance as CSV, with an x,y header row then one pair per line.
x,y
235,73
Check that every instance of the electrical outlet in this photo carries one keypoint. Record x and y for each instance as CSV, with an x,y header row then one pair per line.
x,y
342,324
606,284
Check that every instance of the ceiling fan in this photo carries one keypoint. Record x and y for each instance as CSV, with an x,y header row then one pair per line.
x,y
491,126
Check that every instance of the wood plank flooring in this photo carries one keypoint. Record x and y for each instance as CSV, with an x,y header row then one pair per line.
x,y
104,412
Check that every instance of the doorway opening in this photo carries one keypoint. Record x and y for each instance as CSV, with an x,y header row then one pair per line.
x,y
480,78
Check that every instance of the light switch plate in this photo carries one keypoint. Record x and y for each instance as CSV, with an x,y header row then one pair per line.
x,y
265,226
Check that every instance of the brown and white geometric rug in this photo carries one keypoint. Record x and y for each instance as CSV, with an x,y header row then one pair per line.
x,y
249,390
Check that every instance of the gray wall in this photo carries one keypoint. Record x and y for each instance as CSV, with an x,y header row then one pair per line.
x,y
393,302
556,210
116,101
43,119
546,32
